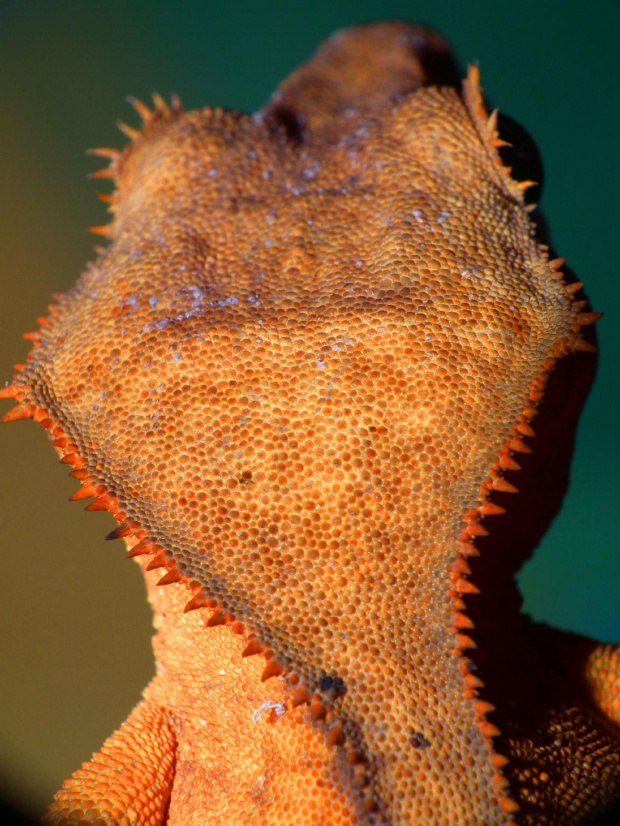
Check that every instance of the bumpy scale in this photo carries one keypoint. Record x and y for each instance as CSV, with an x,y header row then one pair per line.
x,y
299,377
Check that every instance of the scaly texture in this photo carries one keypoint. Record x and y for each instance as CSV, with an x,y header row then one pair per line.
x,y
298,378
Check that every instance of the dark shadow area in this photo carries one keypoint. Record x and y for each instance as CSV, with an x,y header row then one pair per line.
x,y
9,816
612,818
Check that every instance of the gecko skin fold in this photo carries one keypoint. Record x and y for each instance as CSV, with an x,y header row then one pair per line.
x,y
304,376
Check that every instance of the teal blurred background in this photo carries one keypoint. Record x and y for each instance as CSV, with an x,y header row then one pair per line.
x,y
74,625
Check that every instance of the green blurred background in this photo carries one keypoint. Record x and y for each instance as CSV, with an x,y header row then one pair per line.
x,y
74,625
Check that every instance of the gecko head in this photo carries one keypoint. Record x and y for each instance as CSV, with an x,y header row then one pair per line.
x,y
307,357
263,367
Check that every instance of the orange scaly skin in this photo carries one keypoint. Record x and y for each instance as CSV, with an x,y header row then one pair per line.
x,y
303,378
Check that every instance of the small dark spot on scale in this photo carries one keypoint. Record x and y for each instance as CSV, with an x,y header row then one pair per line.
x,y
245,478
419,741
336,685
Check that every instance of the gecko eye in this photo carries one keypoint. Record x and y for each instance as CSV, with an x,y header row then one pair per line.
x,y
523,156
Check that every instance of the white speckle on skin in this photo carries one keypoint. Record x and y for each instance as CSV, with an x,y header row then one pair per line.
x,y
279,709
